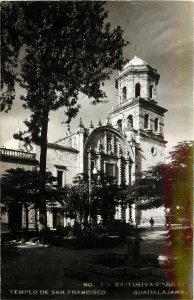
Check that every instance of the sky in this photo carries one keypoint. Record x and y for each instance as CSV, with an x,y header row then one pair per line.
x,y
162,32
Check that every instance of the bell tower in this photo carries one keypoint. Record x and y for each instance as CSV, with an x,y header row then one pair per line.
x,y
137,79
138,116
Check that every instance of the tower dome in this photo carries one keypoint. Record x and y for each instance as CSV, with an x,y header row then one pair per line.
x,y
136,61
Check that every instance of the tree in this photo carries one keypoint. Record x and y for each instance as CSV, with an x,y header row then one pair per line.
x,y
68,49
126,198
148,189
11,42
105,197
74,198
76,203
179,204
168,185
180,177
20,189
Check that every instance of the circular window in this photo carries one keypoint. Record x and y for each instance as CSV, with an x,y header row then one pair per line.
x,y
153,151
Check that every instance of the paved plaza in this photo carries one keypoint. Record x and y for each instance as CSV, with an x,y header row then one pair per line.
x,y
39,272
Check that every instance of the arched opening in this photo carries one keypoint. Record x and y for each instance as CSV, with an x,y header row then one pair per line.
x,y
130,121
119,124
156,124
146,121
137,90
151,91
124,94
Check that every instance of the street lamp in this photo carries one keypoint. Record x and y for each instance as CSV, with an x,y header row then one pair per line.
x,y
94,171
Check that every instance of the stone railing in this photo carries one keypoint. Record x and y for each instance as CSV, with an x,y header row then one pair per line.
x,y
17,153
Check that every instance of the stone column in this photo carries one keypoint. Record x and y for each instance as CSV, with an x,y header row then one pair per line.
x,y
23,217
119,170
89,162
120,211
128,172
105,143
130,213
123,213
81,149
104,168
101,163
114,170
113,144
119,165
133,166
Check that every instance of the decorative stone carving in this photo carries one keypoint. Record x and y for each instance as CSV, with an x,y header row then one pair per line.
x,y
105,142
113,143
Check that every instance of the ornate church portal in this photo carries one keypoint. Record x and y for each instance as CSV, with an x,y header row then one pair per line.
x,y
130,141
107,149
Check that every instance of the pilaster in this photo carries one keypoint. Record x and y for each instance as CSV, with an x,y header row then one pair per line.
x,y
105,143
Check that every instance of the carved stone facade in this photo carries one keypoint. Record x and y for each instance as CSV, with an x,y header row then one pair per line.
x,y
131,140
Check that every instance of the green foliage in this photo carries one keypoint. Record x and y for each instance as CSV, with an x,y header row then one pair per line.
x,y
168,185
104,198
11,42
67,49
105,193
22,186
80,178
148,189
182,154
74,200
180,196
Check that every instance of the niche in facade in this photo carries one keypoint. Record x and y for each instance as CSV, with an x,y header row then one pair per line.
x,y
124,94
151,91
119,124
130,121
146,121
156,124
59,178
137,90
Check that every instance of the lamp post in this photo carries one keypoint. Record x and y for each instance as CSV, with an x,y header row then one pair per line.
x,y
94,171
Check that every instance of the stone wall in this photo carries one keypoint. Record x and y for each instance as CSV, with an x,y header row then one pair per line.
x,y
64,160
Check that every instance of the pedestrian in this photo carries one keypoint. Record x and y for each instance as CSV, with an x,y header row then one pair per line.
x,y
152,222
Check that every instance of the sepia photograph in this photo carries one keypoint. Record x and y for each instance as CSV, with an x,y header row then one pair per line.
x,y
96,150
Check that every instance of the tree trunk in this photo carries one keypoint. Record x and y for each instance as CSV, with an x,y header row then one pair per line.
x,y
43,155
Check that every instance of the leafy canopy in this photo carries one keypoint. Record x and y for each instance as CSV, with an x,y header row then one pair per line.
x,y
67,48
104,197
168,185
21,186
148,189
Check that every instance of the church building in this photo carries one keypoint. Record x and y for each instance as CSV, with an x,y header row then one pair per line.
x,y
130,141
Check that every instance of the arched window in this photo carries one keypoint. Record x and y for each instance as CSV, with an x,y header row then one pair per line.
x,y
146,121
130,121
137,90
151,91
156,124
124,94
119,124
